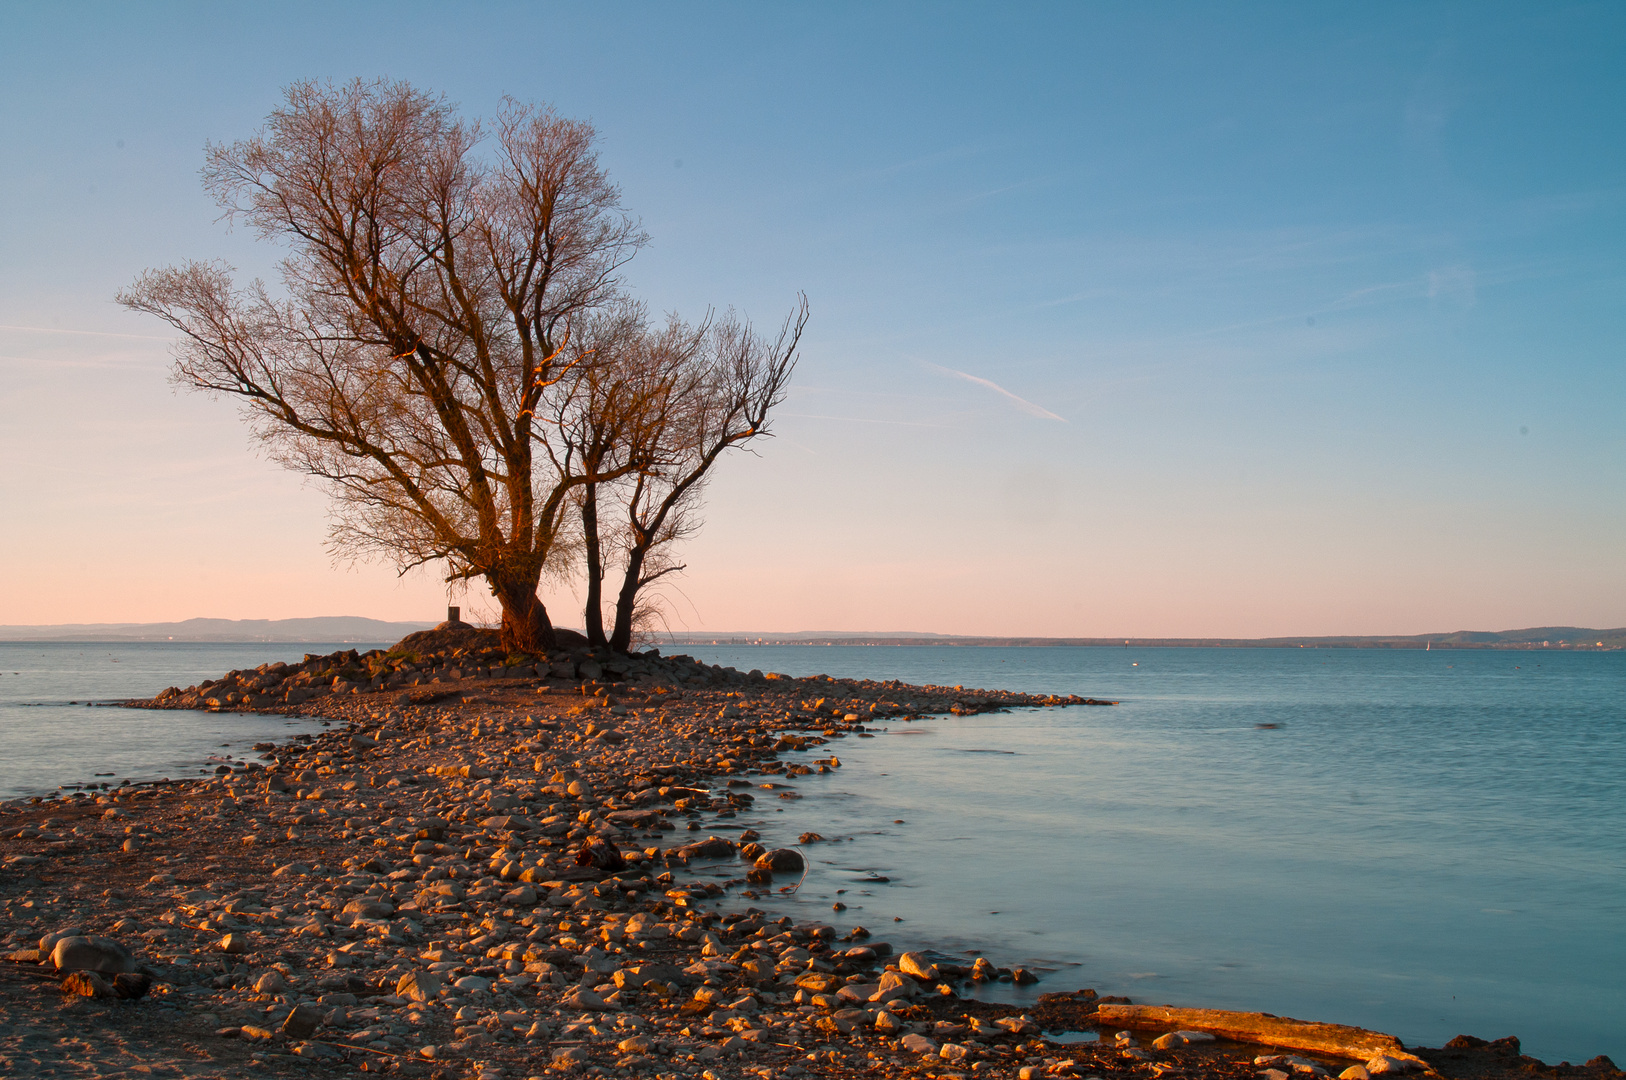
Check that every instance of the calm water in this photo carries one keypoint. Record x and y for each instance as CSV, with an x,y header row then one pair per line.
x,y
49,742
1428,844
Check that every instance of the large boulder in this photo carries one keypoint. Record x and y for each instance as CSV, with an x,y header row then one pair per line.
x,y
894,986
447,637
91,954
302,1022
781,861
918,965
48,942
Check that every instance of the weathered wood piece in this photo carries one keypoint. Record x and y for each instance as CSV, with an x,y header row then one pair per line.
x,y
1336,1040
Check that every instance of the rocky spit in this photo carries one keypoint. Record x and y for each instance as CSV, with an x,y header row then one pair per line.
x,y
488,866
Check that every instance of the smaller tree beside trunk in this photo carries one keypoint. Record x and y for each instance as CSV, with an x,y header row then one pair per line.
x,y
705,391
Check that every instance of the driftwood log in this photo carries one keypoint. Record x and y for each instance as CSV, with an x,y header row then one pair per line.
x,y
1335,1040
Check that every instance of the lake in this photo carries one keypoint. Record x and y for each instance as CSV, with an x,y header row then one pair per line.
x,y
1425,843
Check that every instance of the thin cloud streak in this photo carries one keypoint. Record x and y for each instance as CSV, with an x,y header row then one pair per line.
x,y
1022,403
860,420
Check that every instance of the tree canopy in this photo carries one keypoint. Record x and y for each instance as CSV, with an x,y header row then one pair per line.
x,y
453,352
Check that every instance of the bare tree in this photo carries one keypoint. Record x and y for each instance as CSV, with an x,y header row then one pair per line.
x,y
707,390
421,350
629,382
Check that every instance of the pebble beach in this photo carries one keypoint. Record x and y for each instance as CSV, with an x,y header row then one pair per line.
x,y
489,866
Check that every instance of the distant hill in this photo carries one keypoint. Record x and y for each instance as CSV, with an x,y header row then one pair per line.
x,y
1540,637
334,628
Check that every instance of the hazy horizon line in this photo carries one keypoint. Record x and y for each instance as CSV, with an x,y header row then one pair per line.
x,y
83,631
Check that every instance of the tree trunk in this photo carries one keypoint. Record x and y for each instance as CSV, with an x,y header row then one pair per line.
x,y
525,624
593,611
1280,1031
626,600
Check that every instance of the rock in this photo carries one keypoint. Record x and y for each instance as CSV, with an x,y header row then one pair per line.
x,y
271,982
585,1000
233,944
1381,1064
48,942
916,964
952,1052
366,907
893,987
524,896
473,983
569,1056
293,869
781,861
316,1052
86,983
249,1031
91,954
889,1024
1017,1025
600,854
131,985
1023,977
1508,1045
819,982
418,986
918,1044
712,847
640,975
638,1044
579,789
302,1022
440,894
1355,1072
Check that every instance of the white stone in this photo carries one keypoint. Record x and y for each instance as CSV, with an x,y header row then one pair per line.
x,y
1381,1064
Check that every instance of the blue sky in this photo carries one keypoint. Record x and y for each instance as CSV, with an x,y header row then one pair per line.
x,y
1128,319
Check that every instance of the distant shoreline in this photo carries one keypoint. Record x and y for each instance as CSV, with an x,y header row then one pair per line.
x,y
1604,641
356,630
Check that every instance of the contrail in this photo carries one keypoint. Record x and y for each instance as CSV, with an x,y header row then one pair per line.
x,y
1022,403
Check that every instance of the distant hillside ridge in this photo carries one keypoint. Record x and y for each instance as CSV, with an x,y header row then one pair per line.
x,y
339,629
1576,638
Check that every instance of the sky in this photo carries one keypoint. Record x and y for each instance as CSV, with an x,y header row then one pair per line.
x,y
1127,319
